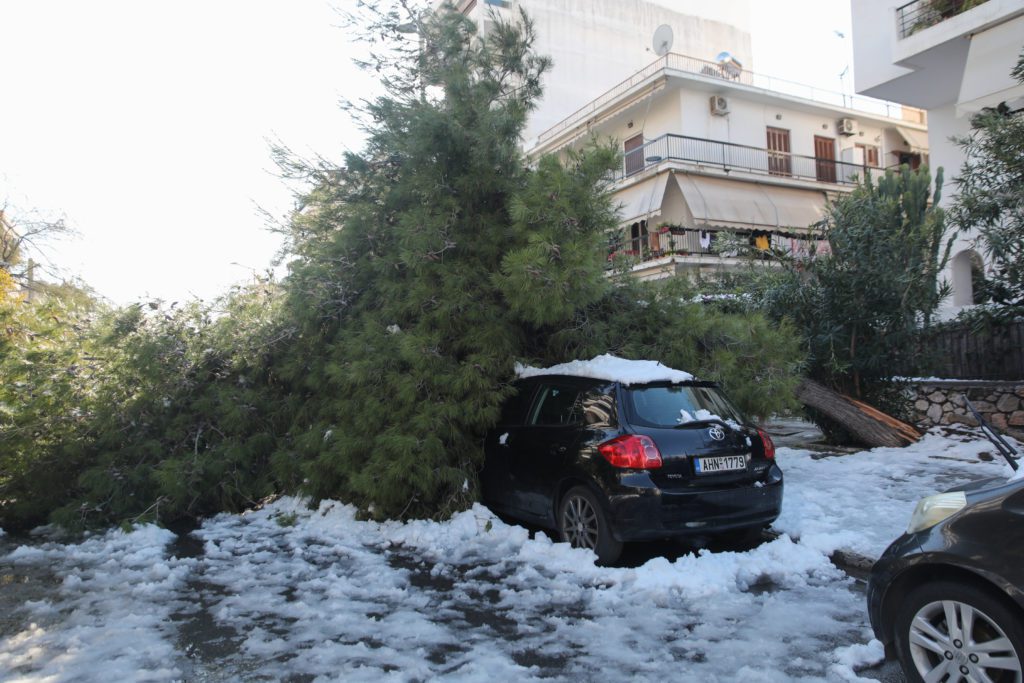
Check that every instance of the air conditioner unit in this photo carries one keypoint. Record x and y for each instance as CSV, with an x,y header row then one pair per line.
x,y
719,105
847,126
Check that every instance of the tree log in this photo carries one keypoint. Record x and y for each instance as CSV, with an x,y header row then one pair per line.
x,y
868,425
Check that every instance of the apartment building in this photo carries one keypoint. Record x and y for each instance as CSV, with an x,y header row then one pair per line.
x,y
713,153
712,150
950,58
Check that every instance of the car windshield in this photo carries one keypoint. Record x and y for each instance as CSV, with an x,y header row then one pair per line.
x,y
677,405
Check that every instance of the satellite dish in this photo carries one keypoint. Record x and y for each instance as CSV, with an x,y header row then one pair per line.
x,y
662,42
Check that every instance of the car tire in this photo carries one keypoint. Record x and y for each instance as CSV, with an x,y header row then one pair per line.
x,y
925,642
583,524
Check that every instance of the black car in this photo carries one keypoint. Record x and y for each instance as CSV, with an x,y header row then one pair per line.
x,y
603,462
947,597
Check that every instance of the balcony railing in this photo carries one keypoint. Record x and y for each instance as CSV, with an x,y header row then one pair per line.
x,y
728,156
921,14
728,73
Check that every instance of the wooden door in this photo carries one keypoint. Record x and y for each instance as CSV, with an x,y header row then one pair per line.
x,y
634,152
825,158
779,161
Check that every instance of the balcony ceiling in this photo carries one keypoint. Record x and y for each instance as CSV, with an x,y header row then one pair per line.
x,y
934,79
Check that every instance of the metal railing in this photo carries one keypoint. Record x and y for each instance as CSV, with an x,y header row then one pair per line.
x,y
729,156
921,14
677,62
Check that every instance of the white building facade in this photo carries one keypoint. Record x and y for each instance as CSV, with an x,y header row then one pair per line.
x,y
710,151
951,58
710,148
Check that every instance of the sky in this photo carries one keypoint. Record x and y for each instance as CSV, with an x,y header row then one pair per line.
x,y
147,124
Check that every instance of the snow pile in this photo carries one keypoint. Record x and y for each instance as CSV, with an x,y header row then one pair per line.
x,y
474,599
286,592
611,368
862,502
110,621
857,656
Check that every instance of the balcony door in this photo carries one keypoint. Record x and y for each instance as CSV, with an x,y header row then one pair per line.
x,y
825,158
633,149
779,161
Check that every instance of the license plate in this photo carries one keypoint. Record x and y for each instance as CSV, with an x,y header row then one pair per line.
x,y
723,463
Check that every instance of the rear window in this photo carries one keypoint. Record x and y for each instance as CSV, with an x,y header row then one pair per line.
x,y
670,406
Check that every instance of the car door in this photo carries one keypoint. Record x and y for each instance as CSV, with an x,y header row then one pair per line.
x,y
496,477
550,440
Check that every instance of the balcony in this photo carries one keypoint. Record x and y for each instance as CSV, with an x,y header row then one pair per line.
x,y
728,157
729,73
920,14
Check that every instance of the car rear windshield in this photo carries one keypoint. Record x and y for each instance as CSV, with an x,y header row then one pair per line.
x,y
671,406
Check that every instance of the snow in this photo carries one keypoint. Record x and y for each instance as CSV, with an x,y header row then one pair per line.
x,y
288,592
611,368
703,415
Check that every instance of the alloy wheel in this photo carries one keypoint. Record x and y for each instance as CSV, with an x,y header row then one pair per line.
x,y
580,524
954,641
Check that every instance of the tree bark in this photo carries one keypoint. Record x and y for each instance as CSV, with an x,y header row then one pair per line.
x,y
870,426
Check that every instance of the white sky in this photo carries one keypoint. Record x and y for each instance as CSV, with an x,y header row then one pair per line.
x,y
146,123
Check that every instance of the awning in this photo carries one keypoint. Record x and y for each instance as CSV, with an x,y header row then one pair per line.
x,y
917,140
798,209
990,58
737,204
642,200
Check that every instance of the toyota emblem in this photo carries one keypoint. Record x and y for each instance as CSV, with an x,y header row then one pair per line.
x,y
716,433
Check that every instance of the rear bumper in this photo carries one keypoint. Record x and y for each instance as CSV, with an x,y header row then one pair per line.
x,y
644,512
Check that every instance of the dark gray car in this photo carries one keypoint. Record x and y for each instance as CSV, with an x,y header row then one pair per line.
x,y
947,597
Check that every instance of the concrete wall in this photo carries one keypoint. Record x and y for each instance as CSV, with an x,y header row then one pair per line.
x,y
596,44
939,68
942,403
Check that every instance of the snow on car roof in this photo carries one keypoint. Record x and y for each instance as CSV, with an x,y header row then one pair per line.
x,y
611,368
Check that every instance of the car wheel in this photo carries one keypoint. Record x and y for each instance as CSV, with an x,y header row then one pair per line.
x,y
582,524
956,631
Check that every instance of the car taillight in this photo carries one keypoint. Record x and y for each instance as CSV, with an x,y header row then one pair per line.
x,y
631,451
766,441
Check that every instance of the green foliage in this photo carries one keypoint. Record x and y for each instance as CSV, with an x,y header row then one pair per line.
x,y
420,272
861,304
47,377
140,413
439,256
758,361
990,199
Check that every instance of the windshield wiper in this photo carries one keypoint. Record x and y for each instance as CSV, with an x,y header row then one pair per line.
x,y
1005,449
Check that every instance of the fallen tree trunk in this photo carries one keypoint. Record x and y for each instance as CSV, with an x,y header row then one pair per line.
x,y
868,425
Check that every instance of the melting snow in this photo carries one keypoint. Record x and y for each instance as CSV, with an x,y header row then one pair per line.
x,y
612,369
316,594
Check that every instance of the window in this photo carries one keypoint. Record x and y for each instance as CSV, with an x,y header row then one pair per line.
x,y
634,152
559,404
870,155
513,412
637,237
779,161
672,406
910,159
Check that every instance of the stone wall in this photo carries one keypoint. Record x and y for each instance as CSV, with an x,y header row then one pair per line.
x,y
941,402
